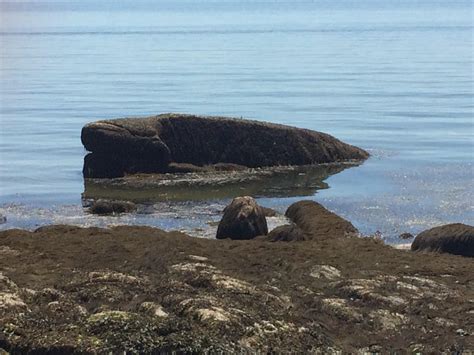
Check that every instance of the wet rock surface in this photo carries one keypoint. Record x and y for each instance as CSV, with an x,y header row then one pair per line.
x,y
143,290
151,144
243,219
454,238
319,222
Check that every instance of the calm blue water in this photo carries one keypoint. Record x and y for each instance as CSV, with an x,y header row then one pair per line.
x,y
394,77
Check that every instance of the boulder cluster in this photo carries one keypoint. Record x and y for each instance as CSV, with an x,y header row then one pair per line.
x,y
245,219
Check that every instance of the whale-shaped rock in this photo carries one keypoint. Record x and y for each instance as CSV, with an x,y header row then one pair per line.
x,y
150,144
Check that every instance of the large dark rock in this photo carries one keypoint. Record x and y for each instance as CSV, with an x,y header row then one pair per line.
x,y
286,233
3,219
243,219
147,145
454,238
319,222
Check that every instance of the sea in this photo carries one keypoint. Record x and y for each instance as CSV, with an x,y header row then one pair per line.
x,y
394,77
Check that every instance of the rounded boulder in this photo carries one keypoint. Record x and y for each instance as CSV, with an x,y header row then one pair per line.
x,y
243,219
457,239
318,222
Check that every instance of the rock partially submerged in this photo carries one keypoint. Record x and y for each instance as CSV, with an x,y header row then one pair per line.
x,y
319,222
243,219
153,144
111,207
3,219
456,238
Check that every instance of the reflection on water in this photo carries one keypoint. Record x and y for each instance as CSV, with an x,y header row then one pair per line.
x,y
191,203
279,182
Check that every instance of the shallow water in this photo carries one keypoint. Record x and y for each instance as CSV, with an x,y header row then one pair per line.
x,y
393,77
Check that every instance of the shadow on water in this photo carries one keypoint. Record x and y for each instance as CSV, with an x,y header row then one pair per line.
x,y
274,182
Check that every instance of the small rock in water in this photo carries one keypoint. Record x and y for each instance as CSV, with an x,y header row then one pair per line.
x,y
3,219
406,236
269,212
106,207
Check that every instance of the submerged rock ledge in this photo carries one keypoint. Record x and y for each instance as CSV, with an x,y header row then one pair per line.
x,y
153,144
207,183
66,289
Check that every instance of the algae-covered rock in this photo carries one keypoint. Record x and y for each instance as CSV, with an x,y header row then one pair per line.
x,y
107,207
150,144
454,238
243,219
318,221
126,330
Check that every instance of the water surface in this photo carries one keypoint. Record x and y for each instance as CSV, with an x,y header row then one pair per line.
x,y
393,77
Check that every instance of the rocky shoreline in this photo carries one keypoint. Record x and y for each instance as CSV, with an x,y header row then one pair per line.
x,y
137,289
311,286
